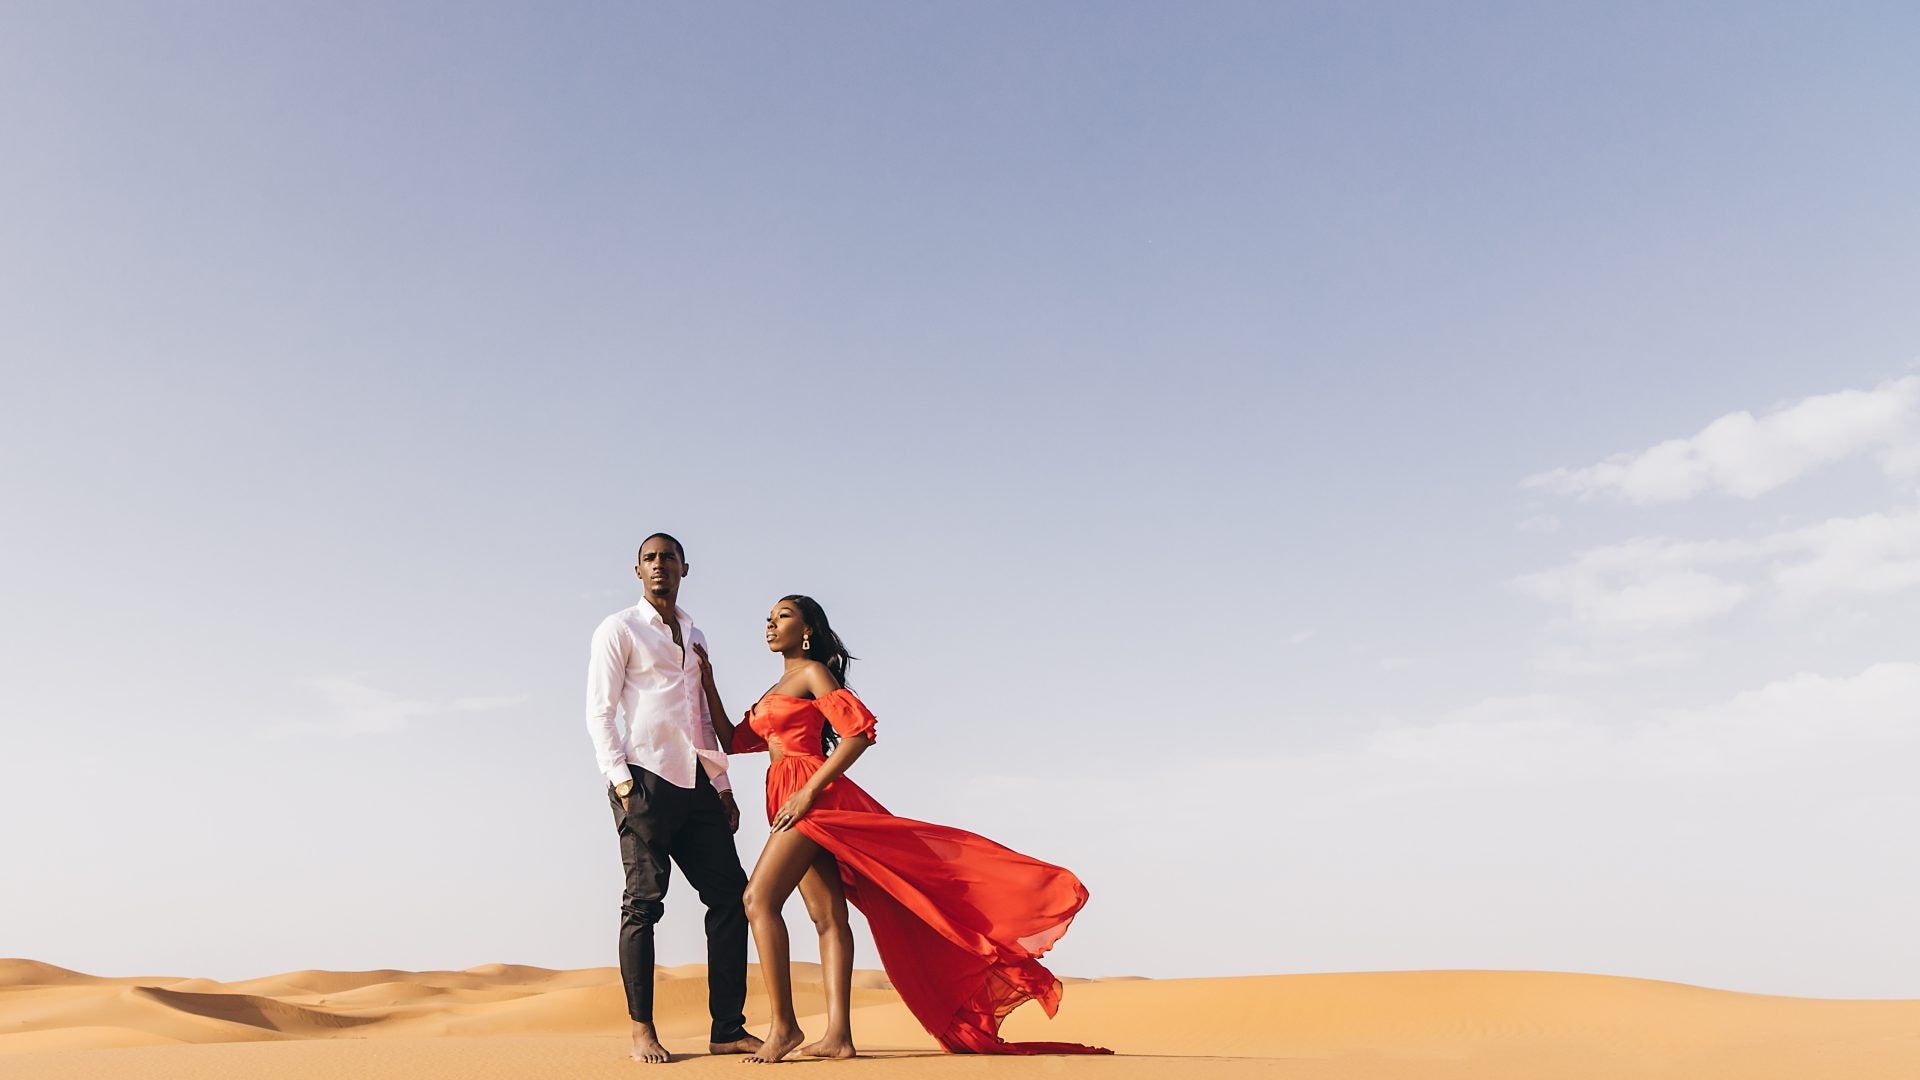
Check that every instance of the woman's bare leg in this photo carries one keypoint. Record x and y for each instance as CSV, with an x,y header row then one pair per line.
x,y
827,904
783,862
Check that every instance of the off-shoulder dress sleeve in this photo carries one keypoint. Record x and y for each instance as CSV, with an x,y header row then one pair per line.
x,y
745,739
847,714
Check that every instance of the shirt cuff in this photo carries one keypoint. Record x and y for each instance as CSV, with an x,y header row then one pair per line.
x,y
714,764
619,774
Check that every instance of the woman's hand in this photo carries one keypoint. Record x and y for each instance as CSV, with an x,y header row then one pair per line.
x,y
716,709
793,809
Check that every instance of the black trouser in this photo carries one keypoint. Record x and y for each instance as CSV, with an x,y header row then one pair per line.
x,y
688,825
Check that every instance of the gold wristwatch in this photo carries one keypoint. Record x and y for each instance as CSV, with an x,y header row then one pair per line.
x,y
623,789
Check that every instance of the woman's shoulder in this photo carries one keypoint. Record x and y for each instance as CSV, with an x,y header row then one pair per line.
x,y
817,678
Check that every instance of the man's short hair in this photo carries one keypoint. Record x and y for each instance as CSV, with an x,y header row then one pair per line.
x,y
678,550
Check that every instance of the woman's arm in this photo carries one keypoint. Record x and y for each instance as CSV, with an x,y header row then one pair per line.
x,y
800,802
820,682
716,712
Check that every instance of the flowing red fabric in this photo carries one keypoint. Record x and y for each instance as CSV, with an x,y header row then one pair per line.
x,y
961,921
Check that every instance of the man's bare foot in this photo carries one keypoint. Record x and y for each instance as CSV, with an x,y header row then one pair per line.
x,y
829,1047
779,1044
747,1043
646,1045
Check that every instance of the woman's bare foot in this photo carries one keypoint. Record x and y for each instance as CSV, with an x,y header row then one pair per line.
x,y
747,1043
829,1047
780,1042
646,1045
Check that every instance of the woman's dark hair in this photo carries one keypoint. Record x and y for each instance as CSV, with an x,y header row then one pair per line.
x,y
826,648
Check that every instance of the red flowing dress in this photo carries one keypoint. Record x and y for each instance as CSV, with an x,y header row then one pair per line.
x,y
961,922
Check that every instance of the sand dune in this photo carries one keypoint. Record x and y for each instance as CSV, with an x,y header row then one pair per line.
x,y
35,973
254,1011
500,1020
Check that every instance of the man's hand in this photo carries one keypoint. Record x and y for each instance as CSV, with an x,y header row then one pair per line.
x,y
733,811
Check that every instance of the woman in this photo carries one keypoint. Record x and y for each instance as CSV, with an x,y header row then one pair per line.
x,y
960,921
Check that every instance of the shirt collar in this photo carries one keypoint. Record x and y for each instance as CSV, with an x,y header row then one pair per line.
x,y
653,613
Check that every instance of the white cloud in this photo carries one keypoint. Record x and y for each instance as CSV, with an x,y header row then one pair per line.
x,y
1659,585
1492,732
1601,656
1747,456
1541,832
1645,585
1301,637
1539,736
1877,553
351,707
1541,524
1774,726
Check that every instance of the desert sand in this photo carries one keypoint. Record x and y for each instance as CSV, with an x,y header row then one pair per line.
x,y
504,1021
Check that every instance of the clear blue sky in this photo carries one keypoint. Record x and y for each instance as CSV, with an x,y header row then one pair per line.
x,y
1163,399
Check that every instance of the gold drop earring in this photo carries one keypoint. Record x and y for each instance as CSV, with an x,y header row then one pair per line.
x,y
806,641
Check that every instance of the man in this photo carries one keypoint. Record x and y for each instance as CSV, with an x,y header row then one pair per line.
x,y
667,781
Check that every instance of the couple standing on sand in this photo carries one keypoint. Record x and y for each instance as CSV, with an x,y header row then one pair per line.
x,y
960,921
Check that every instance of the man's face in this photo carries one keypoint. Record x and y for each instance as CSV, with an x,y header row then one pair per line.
x,y
660,568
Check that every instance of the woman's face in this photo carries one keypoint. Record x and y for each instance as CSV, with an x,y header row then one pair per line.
x,y
784,627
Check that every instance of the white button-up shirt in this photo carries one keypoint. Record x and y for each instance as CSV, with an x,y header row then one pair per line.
x,y
634,667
